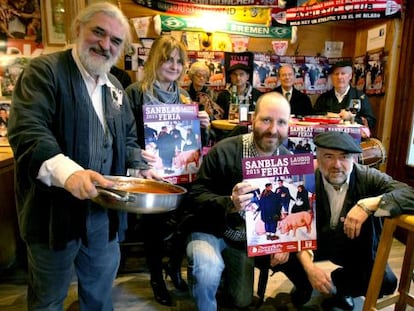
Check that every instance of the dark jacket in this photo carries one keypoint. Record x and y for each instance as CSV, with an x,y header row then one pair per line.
x,y
327,102
364,182
48,118
300,103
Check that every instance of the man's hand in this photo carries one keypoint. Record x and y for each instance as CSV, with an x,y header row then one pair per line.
x,y
150,174
319,279
353,222
204,119
81,184
241,195
149,156
345,115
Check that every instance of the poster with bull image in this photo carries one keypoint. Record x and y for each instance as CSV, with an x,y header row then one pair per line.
x,y
172,133
281,214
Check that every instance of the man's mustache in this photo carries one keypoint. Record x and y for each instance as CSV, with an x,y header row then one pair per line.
x,y
102,52
270,135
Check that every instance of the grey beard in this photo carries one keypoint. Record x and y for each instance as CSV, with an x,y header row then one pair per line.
x,y
97,68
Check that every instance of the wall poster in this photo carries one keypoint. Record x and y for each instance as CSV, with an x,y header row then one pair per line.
x,y
20,39
374,74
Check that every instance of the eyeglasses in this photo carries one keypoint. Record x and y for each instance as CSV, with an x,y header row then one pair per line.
x,y
200,75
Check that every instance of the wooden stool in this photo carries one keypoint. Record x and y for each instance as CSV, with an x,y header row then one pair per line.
x,y
402,297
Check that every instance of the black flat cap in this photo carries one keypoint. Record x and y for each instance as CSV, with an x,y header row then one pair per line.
x,y
341,64
337,141
240,66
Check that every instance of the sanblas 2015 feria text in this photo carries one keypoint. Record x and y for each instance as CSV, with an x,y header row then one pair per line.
x,y
274,166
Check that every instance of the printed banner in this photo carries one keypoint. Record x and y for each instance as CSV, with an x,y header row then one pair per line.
x,y
280,216
170,23
339,10
245,14
153,4
277,13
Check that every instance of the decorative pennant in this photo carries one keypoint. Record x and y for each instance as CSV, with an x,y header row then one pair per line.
x,y
339,10
169,23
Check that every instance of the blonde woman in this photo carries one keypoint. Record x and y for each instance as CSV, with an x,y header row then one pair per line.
x,y
163,71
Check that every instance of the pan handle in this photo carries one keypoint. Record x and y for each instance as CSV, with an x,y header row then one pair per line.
x,y
114,194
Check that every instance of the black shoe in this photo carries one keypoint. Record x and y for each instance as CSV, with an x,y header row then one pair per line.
x,y
161,293
337,301
300,296
175,275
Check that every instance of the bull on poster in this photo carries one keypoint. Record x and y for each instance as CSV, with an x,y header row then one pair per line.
x,y
281,215
172,133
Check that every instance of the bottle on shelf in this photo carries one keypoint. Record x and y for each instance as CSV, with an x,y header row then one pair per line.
x,y
234,97
244,110
234,104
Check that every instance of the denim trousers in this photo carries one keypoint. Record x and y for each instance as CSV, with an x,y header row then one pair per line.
x,y
211,258
50,272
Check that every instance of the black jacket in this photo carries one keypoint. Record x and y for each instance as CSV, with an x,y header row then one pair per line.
x,y
327,102
300,103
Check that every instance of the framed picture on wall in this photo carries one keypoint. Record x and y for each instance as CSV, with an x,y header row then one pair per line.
x,y
55,22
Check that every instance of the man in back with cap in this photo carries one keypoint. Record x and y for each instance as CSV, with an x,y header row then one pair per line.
x,y
350,200
339,100
239,76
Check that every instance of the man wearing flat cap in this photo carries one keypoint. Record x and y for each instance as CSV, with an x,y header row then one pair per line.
x,y
343,96
240,75
350,200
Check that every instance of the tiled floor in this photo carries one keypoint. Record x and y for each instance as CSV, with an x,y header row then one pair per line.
x,y
132,291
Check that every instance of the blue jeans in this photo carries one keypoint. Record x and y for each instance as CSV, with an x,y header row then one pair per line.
x,y
96,265
208,256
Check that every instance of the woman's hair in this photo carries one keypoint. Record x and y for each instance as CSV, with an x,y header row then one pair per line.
x,y
197,67
160,52
111,10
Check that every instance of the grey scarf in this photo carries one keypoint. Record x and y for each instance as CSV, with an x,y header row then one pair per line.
x,y
159,96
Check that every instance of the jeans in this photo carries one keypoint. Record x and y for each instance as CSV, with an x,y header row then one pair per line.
x,y
208,257
50,271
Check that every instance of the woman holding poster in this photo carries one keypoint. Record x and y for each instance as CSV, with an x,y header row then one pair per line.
x,y
163,70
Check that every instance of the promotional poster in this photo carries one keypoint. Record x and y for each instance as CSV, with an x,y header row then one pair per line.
x,y
281,215
172,133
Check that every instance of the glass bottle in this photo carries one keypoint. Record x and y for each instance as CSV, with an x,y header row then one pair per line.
x,y
234,99
234,104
